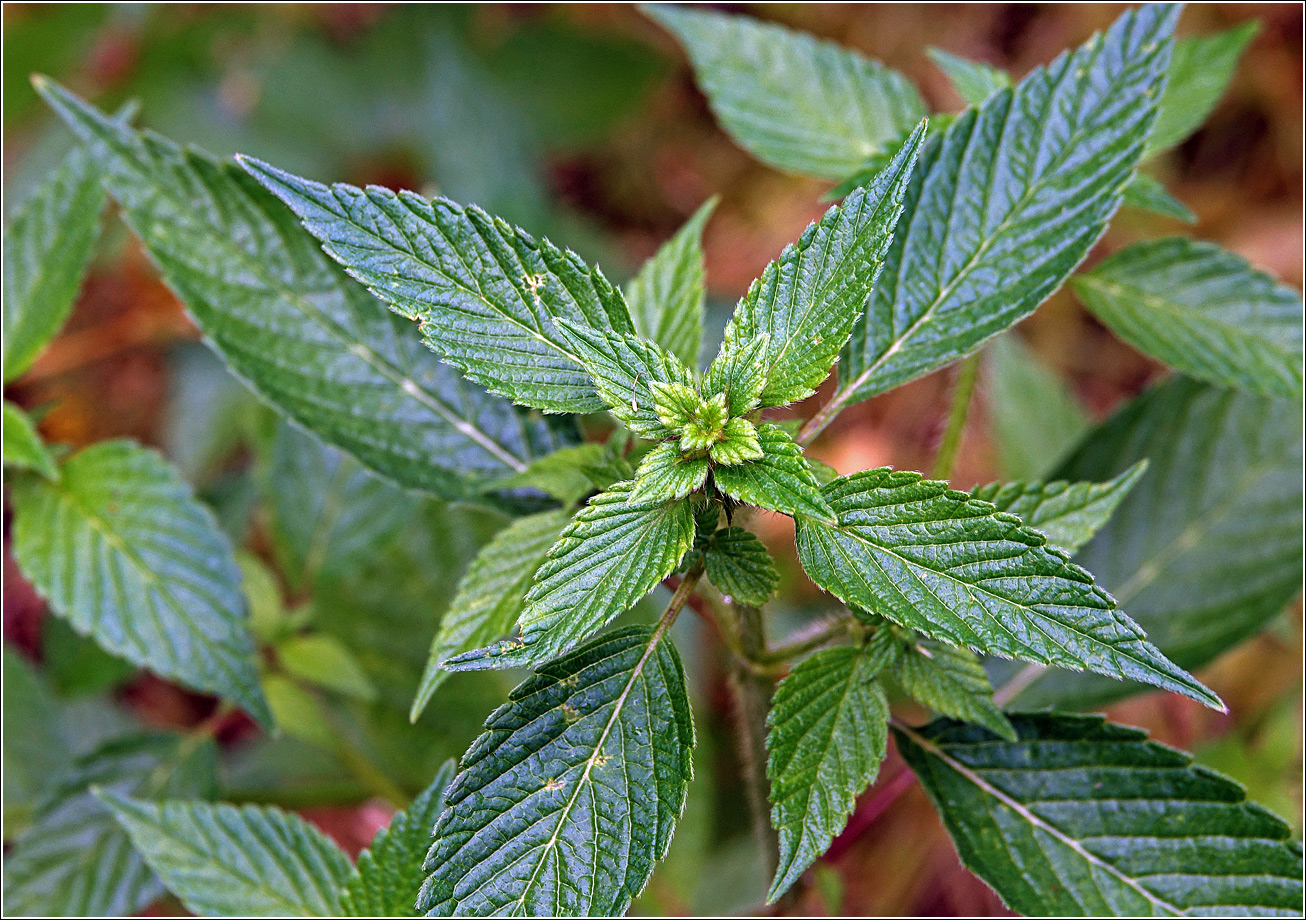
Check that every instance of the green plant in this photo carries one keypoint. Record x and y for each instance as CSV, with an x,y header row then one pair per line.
x,y
1184,508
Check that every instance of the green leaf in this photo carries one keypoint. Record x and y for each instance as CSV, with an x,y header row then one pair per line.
x,y
739,371
75,860
1067,513
827,735
484,293
974,81
795,102
326,507
943,563
780,481
389,873
23,447
808,299
564,474
299,712
666,297
1146,193
666,475
1081,817
739,443
1036,418
952,682
623,368
566,802
33,748
1003,207
305,338
1199,72
1206,548
1202,310
613,553
491,595
220,859
121,548
47,246
740,567
324,662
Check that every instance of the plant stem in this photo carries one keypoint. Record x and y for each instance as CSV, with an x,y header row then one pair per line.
x,y
957,412
810,637
752,694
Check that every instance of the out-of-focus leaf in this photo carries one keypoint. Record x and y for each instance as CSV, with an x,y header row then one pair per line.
x,y
1199,72
666,297
23,447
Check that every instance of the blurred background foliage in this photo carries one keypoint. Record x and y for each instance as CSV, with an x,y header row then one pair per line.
x,y
581,123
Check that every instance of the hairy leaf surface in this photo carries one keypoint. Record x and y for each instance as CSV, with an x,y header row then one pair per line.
x,y
121,548
47,246
389,873
1207,547
780,480
828,727
666,475
567,801
739,565
1067,513
795,102
943,563
1081,817
223,860
311,343
666,297
1004,206
612,554
952,682
491,595
484,293
1203,310
808,299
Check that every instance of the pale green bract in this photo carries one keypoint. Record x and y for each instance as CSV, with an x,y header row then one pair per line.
x,y
289,323
223,860
1004,206
1203,310
828,727
490,596
938,561
795,102
484,293
1080,817
121,548
588,759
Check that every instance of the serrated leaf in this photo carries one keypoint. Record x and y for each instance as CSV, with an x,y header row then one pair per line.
x,y
388,875
485,294
739,371
491,595
1067,513
795,102
1081,817
739,444
1206,548
323,661
1003,206
827,735
623,368
75,860
780,481
974,81
1146,193
666,297
740,567
666,475
289,323
1200,71
121,549
220,859
612,554
47,246
326,507
952,682
940,562
1036,418
808,299
1203,310
566,802
23,447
